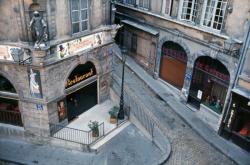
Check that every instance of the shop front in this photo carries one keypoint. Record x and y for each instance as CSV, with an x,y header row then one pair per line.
x,y
237,127
9,109
173,64
209,84
81,91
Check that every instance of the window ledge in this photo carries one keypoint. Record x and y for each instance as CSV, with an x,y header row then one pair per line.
x,y
210,31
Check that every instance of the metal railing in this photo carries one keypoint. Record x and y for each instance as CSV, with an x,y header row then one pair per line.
x,y
11,117
76,135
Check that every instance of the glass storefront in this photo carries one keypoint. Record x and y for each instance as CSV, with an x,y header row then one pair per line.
x,y
237,127
209,84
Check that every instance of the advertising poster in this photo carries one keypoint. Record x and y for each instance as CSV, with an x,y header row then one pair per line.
x,y
61,109
35,83
77,45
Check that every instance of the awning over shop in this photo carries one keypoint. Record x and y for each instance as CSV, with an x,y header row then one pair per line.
x,y
141,27
241,91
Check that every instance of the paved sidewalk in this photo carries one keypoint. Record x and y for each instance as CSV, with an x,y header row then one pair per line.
x,y
229,149
129,147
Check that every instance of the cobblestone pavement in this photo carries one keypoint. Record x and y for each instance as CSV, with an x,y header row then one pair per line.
x,y
188,148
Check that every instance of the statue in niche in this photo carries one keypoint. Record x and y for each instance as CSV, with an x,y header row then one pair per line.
x,y
38,28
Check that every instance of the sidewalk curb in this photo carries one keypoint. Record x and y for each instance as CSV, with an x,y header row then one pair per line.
x,y
230,149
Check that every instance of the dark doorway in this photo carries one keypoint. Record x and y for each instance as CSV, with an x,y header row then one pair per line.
x,y
81,100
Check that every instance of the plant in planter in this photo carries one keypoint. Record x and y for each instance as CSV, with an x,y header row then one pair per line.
x,y
93,125
113,114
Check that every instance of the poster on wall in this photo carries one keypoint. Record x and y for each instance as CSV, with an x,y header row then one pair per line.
x,y
61,109
199,94
10,53
77,45
35,83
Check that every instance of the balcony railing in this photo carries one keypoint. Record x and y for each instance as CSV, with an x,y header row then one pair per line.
x,y
75,135
11,117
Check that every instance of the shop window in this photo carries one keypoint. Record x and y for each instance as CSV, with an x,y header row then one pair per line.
x,y
209,84
144,4
9,112
134,43
79,15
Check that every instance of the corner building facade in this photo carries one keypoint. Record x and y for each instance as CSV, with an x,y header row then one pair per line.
x,y
194,47
70,68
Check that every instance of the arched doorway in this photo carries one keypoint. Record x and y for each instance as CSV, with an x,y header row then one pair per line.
x,y
173,64
209,84
81,90
9,109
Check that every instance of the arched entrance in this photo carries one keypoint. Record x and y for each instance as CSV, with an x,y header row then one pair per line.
x,y
9,109
173,64
209,84
81,89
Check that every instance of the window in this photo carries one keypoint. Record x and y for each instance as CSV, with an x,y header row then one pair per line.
x,y
166,7
134,43
213,13
79,15
144,4
189,10
131,2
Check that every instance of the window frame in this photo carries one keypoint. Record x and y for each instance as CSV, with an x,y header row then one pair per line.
x,y
143,4
204,7
80,21
163,9
180,13
134,43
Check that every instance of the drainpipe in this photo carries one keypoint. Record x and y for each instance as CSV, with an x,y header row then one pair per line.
x,y
243,54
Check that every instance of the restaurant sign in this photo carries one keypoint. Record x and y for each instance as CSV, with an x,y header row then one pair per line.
x,y
80,44
80,73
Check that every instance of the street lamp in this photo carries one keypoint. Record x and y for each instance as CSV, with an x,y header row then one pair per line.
x,y
121,110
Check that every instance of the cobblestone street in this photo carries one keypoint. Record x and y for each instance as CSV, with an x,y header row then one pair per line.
x,y
187,146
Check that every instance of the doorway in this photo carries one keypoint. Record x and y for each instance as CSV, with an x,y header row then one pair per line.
x,y
81,100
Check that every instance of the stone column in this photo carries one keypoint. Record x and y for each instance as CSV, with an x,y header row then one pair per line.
x,y
38,57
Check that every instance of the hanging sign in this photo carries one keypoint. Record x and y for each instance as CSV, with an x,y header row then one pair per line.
x,y
11,53
80,44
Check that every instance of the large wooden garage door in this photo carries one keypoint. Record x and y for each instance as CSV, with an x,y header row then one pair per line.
x,y
173,71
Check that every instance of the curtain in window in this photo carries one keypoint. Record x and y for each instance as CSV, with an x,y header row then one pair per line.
x,y
210,7
167,6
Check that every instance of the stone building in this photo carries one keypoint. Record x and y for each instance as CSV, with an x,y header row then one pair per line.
x,y
192,46
54,55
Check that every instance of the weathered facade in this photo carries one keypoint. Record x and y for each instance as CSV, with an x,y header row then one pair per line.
x,y
52,52
192,46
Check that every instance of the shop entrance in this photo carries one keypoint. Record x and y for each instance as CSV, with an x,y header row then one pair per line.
x,y
173,64
81,100
209,84
81,87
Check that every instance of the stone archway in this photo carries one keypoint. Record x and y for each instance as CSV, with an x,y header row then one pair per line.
x,y
81,87
173,64
209,85
9,106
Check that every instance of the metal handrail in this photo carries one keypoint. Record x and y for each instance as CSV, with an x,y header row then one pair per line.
x,y
11,117
75,135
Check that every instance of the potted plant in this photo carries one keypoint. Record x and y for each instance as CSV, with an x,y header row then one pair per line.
x,y
113,114
93,125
